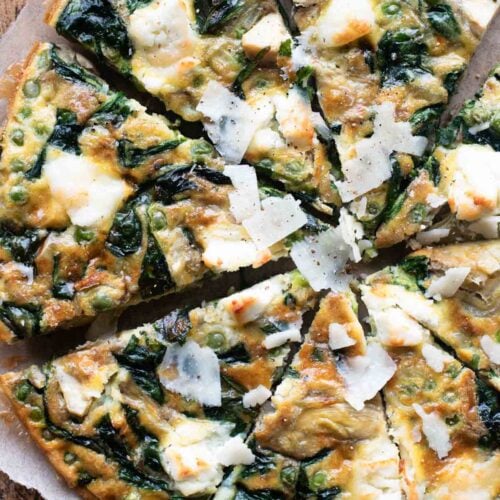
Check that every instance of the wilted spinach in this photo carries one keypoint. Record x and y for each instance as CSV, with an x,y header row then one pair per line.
x,y
443,21
130,156
211,15
125,236
23,321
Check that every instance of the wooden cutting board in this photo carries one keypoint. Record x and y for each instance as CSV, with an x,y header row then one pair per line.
x,y
9,9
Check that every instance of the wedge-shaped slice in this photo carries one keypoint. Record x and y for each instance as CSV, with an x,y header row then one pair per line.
x,y
465,167
312,443
103,204
159,410
450,291
442,416
386,68
174,48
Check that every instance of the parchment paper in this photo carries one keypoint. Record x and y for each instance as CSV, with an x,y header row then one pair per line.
x,y
19,457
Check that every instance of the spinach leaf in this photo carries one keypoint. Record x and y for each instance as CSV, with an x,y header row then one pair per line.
x,y
125,236
64,136
448,135
150,444
231,410
425,120
211,15
395,197
155,277
175,326
132,5
22,246
141,361
263,463
61,289
96,25
451,80
305,80
400,55
131,156
418,267
248,69
114,111
431,165
443,21
489,411
236,354
22,321
76,73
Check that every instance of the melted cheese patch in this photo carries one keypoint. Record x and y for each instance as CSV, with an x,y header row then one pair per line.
x,y
341,22
88,193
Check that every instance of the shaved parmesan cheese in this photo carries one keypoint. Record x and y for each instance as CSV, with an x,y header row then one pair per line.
x,y
250,304
321,260
189,453
491,348
479,12
245,199
435,358
342,22
435,430
479,128
365,375
372,166
294,116
235,452
79,395
231,121
395,328
474,189
278,218
89,193
435,201
301,56
256,396
269,32
338,338
351,231
447,285
488,227
229,254
279,338
193,372
432,235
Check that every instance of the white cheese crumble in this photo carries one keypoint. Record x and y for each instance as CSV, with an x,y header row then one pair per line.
x,y
435,358
447,285
89,193
372,166
365,375
256,396
491,348
193,372
338,338
488,226
278,218
279,338
435,430
321,260
432,235
231,123
235,452
435,200
244,200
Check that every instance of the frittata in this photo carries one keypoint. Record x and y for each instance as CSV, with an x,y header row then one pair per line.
x,y
159,411
103,204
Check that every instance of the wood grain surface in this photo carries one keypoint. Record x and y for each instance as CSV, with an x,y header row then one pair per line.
x,y
9,9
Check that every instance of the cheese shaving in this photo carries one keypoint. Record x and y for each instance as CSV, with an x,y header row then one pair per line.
x,y
435,358
256,396
435,430
338,338
279,338
491,348
447,285
244,200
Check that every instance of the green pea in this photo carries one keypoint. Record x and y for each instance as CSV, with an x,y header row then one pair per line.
x,y
102,301
17,165
453,371
452,420
495,123
47,435
198,81
19,195
36,414
201,148
83,234
239,32
318,480
84,478
474,362
475,113
429,385
25,112
288,475
216,340
69,458
373,208
23,390
391,8
261,83
158,220
41,129
31,88
418,213
17,137
449,397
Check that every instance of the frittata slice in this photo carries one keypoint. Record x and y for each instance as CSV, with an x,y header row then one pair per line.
x,y
384,71
452,292
103,204
442,416
312,443
159,411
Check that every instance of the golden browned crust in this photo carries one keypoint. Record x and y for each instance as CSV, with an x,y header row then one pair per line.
x,y
53,11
